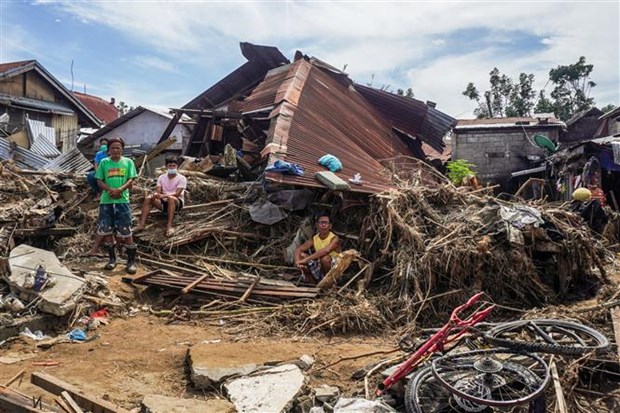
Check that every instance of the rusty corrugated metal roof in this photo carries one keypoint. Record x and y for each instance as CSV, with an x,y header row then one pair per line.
x,y
263,97
319,114
261,59
409,115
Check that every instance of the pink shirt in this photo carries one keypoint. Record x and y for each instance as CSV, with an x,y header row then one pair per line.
x,y
170,186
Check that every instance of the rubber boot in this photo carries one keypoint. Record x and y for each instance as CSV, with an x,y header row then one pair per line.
x,y
112,260
131,259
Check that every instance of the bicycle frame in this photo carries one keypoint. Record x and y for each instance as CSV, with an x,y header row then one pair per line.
x,y
438,340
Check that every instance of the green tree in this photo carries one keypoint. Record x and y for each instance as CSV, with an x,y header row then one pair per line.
x,y
123,107
505,97
408,93
572,86
544,104
608,108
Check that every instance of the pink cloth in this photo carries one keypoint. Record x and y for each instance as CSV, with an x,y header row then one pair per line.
x,y
169,186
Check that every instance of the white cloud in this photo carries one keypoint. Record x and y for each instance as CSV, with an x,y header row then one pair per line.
x,y
152,62
396,41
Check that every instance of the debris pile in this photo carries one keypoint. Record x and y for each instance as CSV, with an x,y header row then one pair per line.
x,y
448,240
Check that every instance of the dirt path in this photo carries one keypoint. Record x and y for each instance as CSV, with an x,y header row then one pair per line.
x,y
140,355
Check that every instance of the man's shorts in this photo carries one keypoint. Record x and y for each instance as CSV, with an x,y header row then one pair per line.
x,y
115,219
164,205
315,267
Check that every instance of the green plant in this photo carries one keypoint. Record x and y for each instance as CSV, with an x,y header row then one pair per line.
x,y
459,169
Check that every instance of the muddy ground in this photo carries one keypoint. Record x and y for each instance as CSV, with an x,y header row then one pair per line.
x,y
144,354
141,353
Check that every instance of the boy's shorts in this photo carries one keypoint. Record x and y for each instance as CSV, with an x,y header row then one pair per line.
x,y
164,205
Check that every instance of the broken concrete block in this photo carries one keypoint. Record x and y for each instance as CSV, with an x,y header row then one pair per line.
x,y
305,362
326,393
317,409
212,363
154,403
272,390
345,405
57,300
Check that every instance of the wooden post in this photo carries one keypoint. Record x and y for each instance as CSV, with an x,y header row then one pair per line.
x,y
615,319
70,402
85,401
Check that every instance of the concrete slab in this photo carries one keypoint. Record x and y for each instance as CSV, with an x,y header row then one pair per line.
x,y
212,363
356,405
154,403
326,393
272,390
57,300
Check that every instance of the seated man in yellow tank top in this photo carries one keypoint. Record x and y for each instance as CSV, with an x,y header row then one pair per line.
x,y
326,247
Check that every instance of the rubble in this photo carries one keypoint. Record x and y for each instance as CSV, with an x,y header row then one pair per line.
x,y
269,390
57,299
212,363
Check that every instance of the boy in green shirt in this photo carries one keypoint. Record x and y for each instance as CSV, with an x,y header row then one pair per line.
x,y
115,176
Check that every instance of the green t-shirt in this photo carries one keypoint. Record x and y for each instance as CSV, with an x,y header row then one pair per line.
x,y
115,175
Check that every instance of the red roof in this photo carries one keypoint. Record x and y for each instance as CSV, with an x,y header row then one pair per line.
x,y
103,109
5,67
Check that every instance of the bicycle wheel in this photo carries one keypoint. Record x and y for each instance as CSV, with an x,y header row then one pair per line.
x,y
548,336
497,377
426,394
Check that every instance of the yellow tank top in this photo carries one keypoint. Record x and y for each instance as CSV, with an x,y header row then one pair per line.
x,y
322,243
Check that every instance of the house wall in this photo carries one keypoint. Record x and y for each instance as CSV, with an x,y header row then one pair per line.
x,y
36,87
498,152
67,127
614,125
145,130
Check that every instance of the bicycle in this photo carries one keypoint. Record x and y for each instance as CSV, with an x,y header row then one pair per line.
x,y
501,377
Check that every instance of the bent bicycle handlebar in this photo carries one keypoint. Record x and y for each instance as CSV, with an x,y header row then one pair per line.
x,y
437,341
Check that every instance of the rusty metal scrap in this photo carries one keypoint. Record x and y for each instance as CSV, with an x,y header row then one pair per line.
x,y
237,288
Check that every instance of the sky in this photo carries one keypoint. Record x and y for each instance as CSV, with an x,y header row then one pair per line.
x,y
163,54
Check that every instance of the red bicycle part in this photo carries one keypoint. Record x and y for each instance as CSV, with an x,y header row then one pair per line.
x,y
438,340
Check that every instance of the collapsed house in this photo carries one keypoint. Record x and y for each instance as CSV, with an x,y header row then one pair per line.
x,y
270,109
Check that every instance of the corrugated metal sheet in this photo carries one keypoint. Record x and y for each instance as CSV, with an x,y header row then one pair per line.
x,y
320,115
260,60
71,161
41,105
37,128
411,116
24,158
44,147
264,95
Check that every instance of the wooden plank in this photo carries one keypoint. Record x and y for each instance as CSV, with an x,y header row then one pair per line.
x,y
72,404
140,278
232,289
14,403
615,319
15,378
85,401
193,284
174,268
27,232
559,395
247,293
63,405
